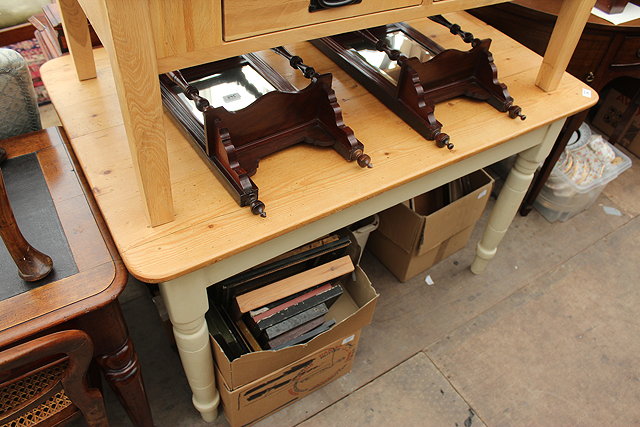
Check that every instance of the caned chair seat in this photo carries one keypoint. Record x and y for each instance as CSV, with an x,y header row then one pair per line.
x,y
43,382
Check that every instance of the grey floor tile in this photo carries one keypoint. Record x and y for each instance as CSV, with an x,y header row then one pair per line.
x,y
563,350
412,394
134,289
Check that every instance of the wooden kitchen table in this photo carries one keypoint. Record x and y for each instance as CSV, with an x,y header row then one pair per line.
x,y
308,191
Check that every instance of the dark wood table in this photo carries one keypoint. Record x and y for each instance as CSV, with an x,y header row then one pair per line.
x,y
87,298
605,52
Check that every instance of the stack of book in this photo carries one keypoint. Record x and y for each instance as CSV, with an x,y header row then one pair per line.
x,y
283,302
291,320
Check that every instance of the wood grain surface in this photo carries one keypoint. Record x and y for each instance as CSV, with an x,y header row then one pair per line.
x,y
185,26
134,66
208,224
75,27
571,21
278,14
190,32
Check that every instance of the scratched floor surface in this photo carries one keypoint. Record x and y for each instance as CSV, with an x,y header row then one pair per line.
x,y
548,335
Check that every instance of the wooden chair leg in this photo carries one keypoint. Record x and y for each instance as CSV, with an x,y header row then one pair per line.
x,y
32,264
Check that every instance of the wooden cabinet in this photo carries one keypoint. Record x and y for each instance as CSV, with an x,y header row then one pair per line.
x,y
628,55
604,53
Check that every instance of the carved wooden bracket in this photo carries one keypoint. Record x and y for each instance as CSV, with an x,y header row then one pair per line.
x,y
235,141
421,84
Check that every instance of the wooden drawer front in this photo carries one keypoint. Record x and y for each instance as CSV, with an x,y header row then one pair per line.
x,y
629,53
244,18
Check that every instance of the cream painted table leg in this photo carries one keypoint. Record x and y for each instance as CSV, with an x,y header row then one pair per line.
x,y
511,196
186,301
76,29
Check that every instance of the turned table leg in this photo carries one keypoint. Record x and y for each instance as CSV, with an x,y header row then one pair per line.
x,y
118,361
186,302
511,195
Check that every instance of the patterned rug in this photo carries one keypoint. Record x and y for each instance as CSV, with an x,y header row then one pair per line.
x,y
31,52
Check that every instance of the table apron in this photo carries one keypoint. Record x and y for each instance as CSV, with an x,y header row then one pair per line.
x,y
221,270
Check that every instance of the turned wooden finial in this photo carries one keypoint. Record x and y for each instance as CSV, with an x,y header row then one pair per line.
x,y
32,264
296,62
364,161
516,111
381,45
190,91
257,208
456,30
443,140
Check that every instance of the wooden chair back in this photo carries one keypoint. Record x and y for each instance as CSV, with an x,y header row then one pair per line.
x,y
44,382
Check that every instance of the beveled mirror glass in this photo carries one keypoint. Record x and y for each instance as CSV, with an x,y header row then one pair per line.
x,y
232,89
397,40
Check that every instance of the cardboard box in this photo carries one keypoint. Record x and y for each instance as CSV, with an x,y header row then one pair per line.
x,y
409,241
260,398
609,116
352,311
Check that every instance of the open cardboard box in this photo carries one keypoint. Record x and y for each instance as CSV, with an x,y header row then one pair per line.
x,y
408,241
352,311
260,383
260,398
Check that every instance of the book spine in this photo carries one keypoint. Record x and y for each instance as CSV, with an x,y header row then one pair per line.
x,y
292,322
326,297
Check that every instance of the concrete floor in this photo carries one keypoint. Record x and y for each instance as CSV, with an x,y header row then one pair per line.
x,y
547,336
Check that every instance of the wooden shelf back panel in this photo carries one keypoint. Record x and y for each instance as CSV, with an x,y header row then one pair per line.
x,y
275,15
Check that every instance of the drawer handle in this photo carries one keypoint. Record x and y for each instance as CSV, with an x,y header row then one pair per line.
x,y
316,5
